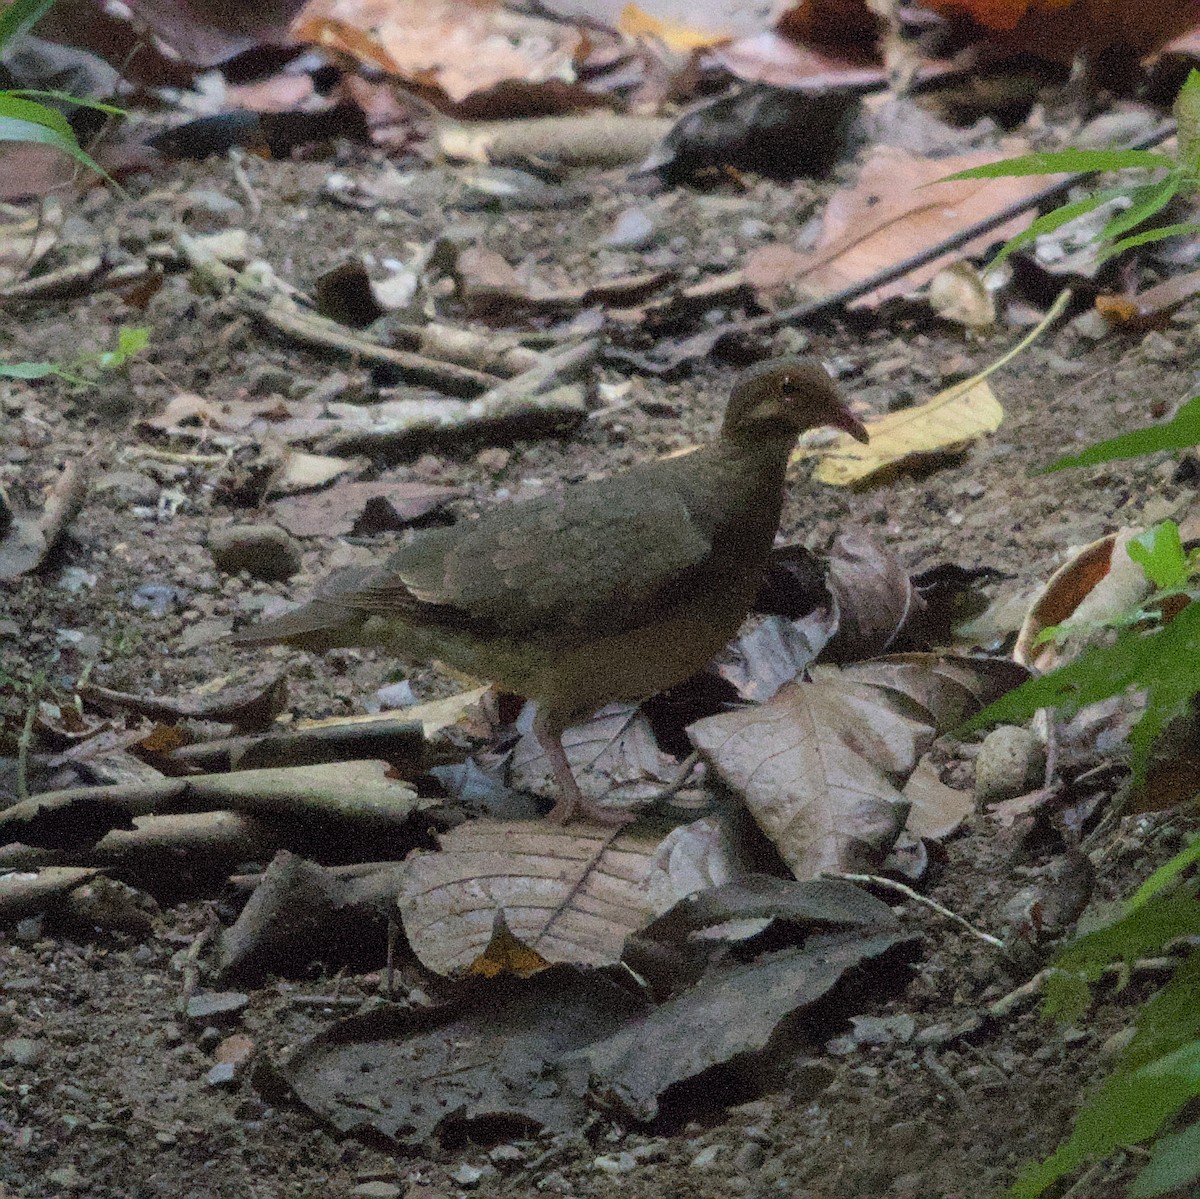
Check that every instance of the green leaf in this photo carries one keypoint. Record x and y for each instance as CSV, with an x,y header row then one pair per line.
x,y
1165,663
67,98
1075,161
14,130
1174,1164
130,341
20,16
1151,235
1159,552
1187,117
1128,1109
27,370
1055,219
1181,432
1166,874
1147,201
38,114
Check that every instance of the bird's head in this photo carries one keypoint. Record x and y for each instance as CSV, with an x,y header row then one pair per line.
x,y
784,397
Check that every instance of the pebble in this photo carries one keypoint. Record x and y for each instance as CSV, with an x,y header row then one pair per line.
x,y
212,202
23,1051
1011,762
634,229
615,1163
1156,347
128,487
375,1190
467,1175
705,1158
67,1178
223,1074
1092,325
265,552
157,599
749,1157
209,1005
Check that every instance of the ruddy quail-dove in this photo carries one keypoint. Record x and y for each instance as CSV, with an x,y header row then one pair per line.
x,y
608,590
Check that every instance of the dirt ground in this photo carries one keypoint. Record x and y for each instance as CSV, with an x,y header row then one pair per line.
x,y
103,1083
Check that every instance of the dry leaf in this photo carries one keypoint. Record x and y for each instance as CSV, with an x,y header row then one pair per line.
x,y
819,768
875,600
1099,582
945,425
570,894
506,954
367,507
614,757
461,48
891,215
634,22
959,294
937,810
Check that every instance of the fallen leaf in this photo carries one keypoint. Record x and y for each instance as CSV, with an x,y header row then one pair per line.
x,y
819,767
490,1058
614,757
571,894
506,954
910,438
365,507
875,601
461,48
891,215
958,293
937,810
635,22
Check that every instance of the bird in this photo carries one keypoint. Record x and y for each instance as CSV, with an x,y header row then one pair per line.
x,y
608,590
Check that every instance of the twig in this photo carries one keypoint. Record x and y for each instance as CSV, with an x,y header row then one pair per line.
x,y
238,167
168,456
875,880
191,961
24,742
949,1083
1032,987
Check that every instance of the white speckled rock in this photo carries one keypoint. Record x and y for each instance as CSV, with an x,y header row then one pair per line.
x,y
1011,762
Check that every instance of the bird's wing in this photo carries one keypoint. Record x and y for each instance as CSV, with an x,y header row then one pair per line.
x,y
595,556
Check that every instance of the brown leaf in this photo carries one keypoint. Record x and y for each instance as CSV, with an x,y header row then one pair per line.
x,y
382,504
570,894
506,954
614,757
937,810
875,599
819,768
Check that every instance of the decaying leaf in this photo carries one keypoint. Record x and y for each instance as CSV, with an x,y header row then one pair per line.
x,y
506,954
937,810
1097,584
28,539
911,438
874,598
571,894
747,1014
364,507
819,767
775,651
614,756
489,1063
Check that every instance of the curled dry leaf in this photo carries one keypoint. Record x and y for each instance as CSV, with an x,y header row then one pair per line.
x,y
775,651
875,599
819,767
912,439
571,894
1098,583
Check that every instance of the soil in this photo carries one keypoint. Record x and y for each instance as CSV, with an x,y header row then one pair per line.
x,y
113,1097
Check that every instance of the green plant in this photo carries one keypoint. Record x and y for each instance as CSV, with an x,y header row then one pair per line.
x,y
25,120
86,369
1147,200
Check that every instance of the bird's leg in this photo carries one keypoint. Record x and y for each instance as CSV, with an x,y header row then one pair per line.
x,y
570,799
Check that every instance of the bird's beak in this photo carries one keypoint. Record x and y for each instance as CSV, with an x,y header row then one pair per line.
x,y
845,420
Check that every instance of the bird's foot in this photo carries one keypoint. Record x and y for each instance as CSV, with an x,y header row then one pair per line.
x,y
571,807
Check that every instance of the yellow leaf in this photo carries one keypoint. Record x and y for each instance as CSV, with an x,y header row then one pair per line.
x,y
950,421
633,22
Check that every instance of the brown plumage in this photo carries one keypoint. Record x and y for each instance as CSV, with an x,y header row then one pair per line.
x,y
608,590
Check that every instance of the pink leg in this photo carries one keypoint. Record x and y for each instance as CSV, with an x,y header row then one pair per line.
x,y
570,799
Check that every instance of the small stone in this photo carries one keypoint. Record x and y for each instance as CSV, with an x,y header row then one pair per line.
x,y
29,929
396,695
232,246
223,1074
236,1049
494,458
1156,347
615,1163
265,552
23,1051
75,579
1011,762
128,487
467,1175
158,599
375,1190
268,379
634,229
705,1158
67,1178
749,1157
1092,325
214,1005
506,1155
212,202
